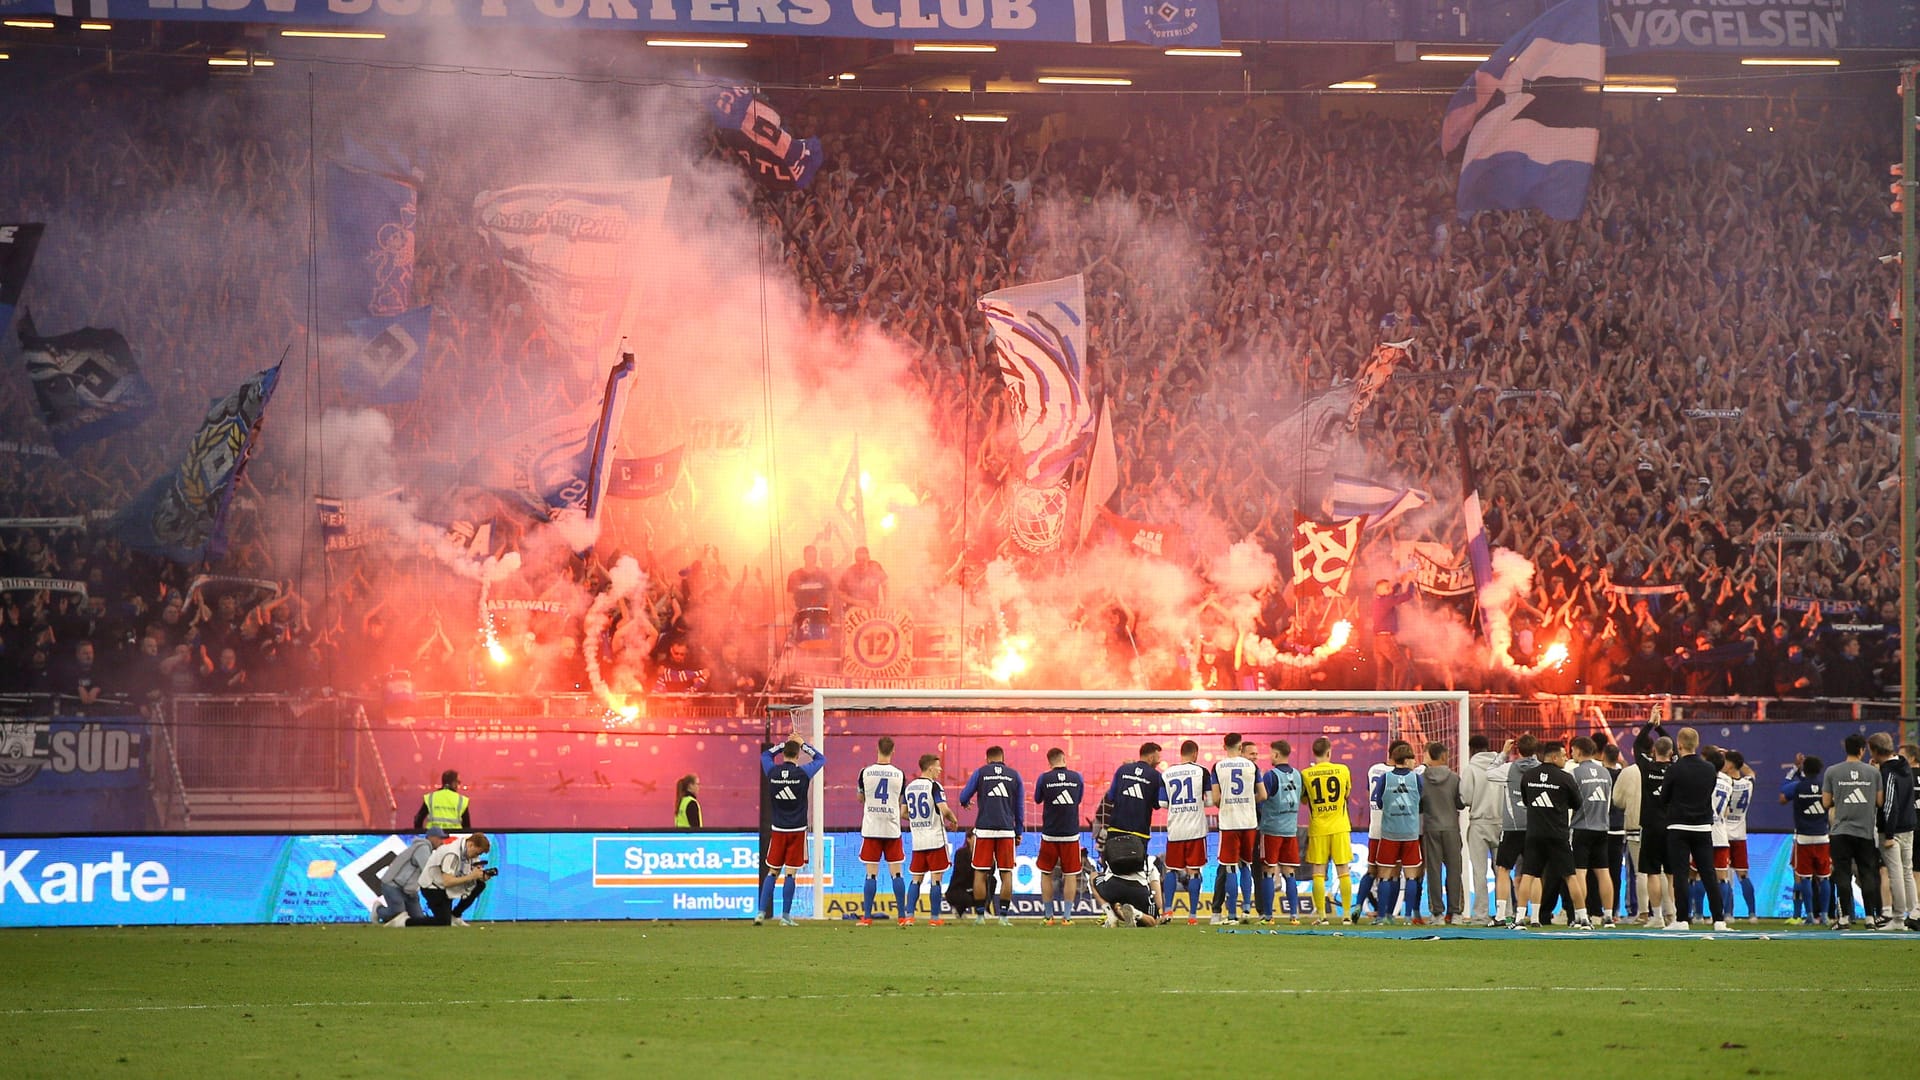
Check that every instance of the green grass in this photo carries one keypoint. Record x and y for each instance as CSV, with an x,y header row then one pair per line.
x,y
731,1000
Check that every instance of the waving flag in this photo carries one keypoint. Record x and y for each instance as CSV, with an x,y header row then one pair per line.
x,y
1040,341
18,242
182,515
645,477
575,248
85,383
560,465
1479,551
1530,117
751,128
1323,554
1351,496
1103,474
367,275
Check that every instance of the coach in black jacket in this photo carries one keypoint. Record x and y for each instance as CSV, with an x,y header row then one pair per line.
x,y
1688,796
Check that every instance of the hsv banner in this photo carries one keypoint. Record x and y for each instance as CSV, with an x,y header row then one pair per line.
x,y
1146,22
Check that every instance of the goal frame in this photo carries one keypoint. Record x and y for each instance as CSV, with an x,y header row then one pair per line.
x,y
1187,699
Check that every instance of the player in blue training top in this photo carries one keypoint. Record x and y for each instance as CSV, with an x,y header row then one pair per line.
x,y
1812,851
1059,792
996,828
788,782
1280,832
1137,791
1396,854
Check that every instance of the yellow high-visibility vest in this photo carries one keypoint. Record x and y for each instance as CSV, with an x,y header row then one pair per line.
x,y
445,808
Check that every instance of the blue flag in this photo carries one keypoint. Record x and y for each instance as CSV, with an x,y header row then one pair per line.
x,y
751,128
17,245
1039,339
1530,117
560,465
367,264
182,515
391,357
1479,551
85,383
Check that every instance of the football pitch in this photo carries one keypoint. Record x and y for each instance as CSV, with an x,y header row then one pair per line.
x,y
718,1000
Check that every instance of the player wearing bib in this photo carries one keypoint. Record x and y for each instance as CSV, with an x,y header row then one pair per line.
x,y
1187,788
1280,832
880,785
928,817
996,828
1058,793
1737,807
1363,892
1593,859
1812,858
1396,854
1238,794
1329,829
788,783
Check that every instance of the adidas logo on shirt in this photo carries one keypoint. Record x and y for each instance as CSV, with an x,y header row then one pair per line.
x,y
1855,796
997,791
784,794
1599,795
1065,798
1134,791
1544,800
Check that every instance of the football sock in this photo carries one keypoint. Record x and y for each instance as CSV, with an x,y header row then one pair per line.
x,y
1413,897
786,896
913,900
1319,894
1822,891
1746,893
1246,886
1726,899
1346,892
866,896
1170,888
1802,897
1193,896
1293,895
1696,896
1363,894
933,901
900,908
1265,896
766,895
1385,893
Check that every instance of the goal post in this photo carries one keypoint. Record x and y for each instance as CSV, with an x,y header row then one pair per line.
x,y
1099,729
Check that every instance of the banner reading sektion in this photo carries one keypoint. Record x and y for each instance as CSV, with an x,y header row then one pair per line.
x,y
1146,22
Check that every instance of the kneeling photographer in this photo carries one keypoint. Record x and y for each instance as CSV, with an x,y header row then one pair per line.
x,y
1126,881
454,877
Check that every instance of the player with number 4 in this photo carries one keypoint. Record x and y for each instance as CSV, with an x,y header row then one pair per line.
x,y
879,786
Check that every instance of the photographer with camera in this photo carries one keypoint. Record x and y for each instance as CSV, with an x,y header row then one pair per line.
x,y
452,880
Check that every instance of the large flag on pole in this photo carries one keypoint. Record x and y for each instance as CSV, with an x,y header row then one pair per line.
x,y
1103,473
182,515
1323,554
560,465
18,242
1479,553
367,263
85,382
1353,496
1039,339
1530,117
852,498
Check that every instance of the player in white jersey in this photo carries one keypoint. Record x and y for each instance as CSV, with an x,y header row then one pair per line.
x,y
929,818
1722,852
1237,791
880,786
1187,787
1363,895
1737,807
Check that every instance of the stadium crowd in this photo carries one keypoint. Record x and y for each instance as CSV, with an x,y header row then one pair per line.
x,y
1652,393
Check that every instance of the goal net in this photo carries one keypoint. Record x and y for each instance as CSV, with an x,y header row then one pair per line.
x,y
1098,730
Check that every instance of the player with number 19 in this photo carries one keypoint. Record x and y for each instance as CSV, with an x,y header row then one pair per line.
x,y
1187,787
928,819
879,788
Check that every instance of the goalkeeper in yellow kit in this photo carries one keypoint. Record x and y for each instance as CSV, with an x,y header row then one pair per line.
x,y
1325,785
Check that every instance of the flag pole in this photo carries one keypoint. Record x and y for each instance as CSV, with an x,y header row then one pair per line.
x,y
1909,117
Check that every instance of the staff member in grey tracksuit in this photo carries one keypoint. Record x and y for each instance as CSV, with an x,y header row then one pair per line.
x,y
1440,806
1485,804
